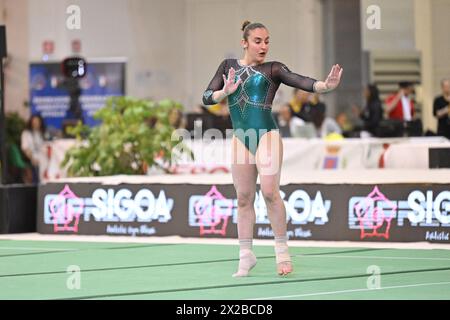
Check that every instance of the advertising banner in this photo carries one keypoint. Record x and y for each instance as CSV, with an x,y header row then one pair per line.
x,y
49,91
384,212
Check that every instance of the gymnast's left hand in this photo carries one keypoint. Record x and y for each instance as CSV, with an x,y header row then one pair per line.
x,y
230,85
334,77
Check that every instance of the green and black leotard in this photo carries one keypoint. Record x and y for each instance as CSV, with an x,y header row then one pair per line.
x,y
251,104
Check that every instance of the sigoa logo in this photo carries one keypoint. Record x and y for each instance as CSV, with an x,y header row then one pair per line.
x,y
109,205
303,209
300,209
425,209
420,209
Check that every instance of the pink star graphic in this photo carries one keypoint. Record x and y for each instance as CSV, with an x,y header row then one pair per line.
x,y
371,216
210,215
65,217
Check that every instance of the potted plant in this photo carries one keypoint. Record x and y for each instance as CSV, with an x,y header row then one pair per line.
x,y
134,135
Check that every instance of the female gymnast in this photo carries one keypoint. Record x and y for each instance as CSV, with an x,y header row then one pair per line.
x,y
250,85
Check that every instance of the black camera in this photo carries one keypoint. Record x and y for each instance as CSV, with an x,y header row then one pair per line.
x,y
74,67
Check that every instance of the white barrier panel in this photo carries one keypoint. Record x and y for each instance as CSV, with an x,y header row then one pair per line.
x,y
299,155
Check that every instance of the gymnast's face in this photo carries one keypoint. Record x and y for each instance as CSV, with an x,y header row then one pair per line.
x,y
257,45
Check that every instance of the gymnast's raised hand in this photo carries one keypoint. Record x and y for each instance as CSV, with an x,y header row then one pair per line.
x,y
230,85
334,77
331,82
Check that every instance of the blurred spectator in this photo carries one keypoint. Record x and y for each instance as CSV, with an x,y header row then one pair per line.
x,y
198,109
441,109
372,113
301,104
32,140
218,117
223,120
345,124
19,170
287,123
400,105
219,109
176,119
324,125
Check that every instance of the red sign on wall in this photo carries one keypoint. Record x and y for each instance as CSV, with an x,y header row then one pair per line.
x,y
48,47
76,46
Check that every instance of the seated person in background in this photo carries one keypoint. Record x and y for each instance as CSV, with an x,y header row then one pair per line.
x,y
220,114
287,123
297,101
324,125
32,141
345,124
19,171
199,109
315,100
400,105
176,119
441,109
220,109
372,113
301,104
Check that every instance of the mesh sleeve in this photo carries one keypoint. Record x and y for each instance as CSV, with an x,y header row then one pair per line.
x,y
285,76
215,84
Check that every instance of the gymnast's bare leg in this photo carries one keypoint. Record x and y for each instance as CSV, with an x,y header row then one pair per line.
x,y
269,158
243,169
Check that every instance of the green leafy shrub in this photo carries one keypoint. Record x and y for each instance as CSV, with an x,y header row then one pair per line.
x,y
134,135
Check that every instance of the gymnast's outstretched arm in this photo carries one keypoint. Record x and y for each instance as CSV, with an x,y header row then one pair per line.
x,y
284,75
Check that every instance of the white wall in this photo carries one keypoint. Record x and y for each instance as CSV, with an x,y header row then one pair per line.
x,y
149,33
174,46
214,34
397,26
441,42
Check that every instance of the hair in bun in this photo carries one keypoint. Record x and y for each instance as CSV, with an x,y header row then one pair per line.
x,y
246,23
248,26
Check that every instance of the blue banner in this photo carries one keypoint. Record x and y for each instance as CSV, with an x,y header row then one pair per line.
x,y
49,90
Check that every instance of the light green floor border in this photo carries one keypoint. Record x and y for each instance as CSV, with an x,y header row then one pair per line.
x,y
38,270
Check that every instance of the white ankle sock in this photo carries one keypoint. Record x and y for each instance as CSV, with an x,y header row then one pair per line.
x,y
247,259
281,250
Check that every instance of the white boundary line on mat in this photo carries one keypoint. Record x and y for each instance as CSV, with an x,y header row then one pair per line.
x,y
222,241
36,248
332,255
349,291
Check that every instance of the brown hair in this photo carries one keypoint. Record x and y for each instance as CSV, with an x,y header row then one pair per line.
x,y
247,26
